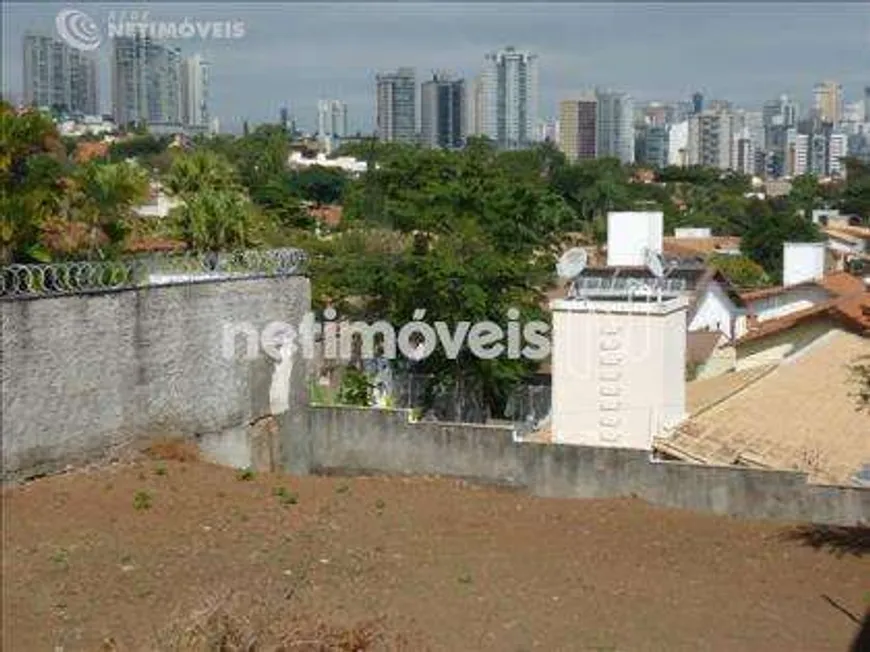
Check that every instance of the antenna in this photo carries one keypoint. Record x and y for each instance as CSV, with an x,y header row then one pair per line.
x,y
572,263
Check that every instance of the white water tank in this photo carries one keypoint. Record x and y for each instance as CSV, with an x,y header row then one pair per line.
x,y
802,262
631,234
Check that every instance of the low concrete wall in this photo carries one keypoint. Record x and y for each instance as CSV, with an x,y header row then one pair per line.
x,y
354,441
82,374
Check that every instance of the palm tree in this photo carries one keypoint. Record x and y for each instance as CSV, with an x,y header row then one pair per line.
x,y
200,170
215,220
106,194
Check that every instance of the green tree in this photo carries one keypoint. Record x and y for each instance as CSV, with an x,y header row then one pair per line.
x,y
198,171
32,162
771,225
742,271
215,220
107,193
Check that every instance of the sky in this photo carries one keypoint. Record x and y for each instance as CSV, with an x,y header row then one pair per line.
x,y
293,54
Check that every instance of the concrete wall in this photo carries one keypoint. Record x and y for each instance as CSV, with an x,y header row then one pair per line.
x,y
81,374
716,311
354,440
787,302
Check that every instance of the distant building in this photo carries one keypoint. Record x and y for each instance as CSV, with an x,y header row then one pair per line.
x,y
332,119
548,131
615,126
397,106
678,144
711,139
146,82
284,118
828,101
867,104
195,92
509,98
442,112
743,153
578,120
838,149
56,75
651,146
697,103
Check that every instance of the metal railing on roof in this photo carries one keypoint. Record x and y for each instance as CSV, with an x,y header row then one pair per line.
x,y
82,277
618,286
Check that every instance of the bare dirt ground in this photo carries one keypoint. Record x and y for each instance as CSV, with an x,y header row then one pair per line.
x,y
123,556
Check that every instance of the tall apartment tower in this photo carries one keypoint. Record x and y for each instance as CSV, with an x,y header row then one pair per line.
x,y
57,75
697,103
838,149
397,106
578,120
743,152
509,98
194,92
331,118
146,82
711,139
615,126
828,101
867,104
443,118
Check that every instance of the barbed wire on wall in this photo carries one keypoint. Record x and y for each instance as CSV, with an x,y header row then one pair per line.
x,y
78,277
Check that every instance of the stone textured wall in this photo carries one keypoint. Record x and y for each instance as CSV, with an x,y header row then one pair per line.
x,y
81,374
354,440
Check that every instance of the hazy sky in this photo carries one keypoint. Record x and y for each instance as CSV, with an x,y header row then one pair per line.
x,y
296,53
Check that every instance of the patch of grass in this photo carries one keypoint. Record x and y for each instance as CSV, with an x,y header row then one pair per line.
x,y
285,497
160,469
142,500
61,558
465,578
380,504
245,475
342,489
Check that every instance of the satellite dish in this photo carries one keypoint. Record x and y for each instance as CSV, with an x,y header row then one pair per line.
x,y
655,263
572,263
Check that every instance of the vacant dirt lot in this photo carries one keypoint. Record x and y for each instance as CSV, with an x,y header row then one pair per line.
x,y
122,553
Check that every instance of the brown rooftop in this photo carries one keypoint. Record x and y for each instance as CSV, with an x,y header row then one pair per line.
x,y
799,416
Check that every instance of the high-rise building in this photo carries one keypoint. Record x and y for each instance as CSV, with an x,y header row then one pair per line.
x,y
828,101
578,132
711,139
678,144
743,152
615,126
797,153
397,106
509,98
697,103
331,118
473,108
146,82
56,75
284,118
442,112
838,149
548,130
867,104
651,145
194,92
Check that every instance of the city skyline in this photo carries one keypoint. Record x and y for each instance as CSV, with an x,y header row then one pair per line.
x,y
736,52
